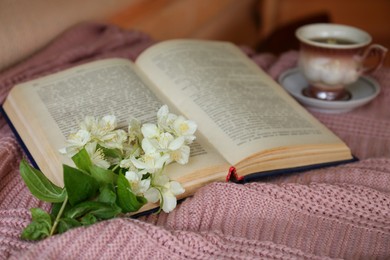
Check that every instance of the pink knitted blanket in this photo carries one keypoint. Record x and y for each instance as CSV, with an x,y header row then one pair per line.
x,y
339,212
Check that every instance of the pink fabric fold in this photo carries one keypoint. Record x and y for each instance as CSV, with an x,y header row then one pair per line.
x,y
338,212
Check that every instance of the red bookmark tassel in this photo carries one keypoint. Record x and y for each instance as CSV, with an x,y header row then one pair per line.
x,y
233,176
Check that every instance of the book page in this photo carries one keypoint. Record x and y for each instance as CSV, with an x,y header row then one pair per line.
x,y
241,110
45,111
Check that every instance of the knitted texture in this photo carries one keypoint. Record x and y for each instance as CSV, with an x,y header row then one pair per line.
x,y
338,212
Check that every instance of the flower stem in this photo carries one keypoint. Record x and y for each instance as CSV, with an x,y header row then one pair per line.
x,y
115,167
56,221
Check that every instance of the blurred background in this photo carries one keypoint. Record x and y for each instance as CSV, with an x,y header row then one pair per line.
x,y
265,25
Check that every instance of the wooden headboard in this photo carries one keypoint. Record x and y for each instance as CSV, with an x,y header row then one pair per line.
x,y
27,26
231,20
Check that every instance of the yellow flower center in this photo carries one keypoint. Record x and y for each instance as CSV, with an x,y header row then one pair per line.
x,y
183,128
175,155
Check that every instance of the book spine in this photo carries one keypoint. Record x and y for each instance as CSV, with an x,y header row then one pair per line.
x,y
18,138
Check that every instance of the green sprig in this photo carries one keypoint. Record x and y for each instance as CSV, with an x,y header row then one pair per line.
x,y
90,194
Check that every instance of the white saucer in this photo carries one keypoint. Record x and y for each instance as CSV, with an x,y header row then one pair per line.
x,y
362,91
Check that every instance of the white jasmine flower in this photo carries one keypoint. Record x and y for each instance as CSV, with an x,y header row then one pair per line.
x,y
96,155
103,131
151,163
180,155
184,127
126,163
134,131
143,149
138,186
169,201
114,140
169,193
162,113
88,124
164,190
76,142
178,151
130,150
164,142
165,119
99,128
108,122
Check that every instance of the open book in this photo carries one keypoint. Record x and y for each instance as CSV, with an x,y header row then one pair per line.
x,y
245,119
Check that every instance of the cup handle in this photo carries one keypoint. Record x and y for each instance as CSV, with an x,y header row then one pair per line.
x,y
373,49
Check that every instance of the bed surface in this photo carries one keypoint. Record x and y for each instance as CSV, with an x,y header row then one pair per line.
x,y
338,212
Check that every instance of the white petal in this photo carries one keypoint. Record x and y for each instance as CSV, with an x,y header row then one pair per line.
x,y
90,148
169,202
138,164
101,163
149,130
109,122
185,154
162,112
131,176
189,139
144,185
182,155
165,139
176,188
105,137
62,150
176,144
114,139
134,129
171,119
192,126
126,163
159,163
70,151
161,180
121,135
152,195
88,123
148,146
179,120
80,138
134,123
184,127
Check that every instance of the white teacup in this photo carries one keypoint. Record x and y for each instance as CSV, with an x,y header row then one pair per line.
x,y
333,56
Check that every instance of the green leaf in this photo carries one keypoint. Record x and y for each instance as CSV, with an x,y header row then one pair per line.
x,y
35,231
107,194
39,185
114,153
100,210
65,224
127,200
82,160
39,227
102,175
88,219
80,186
38,214
106,211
